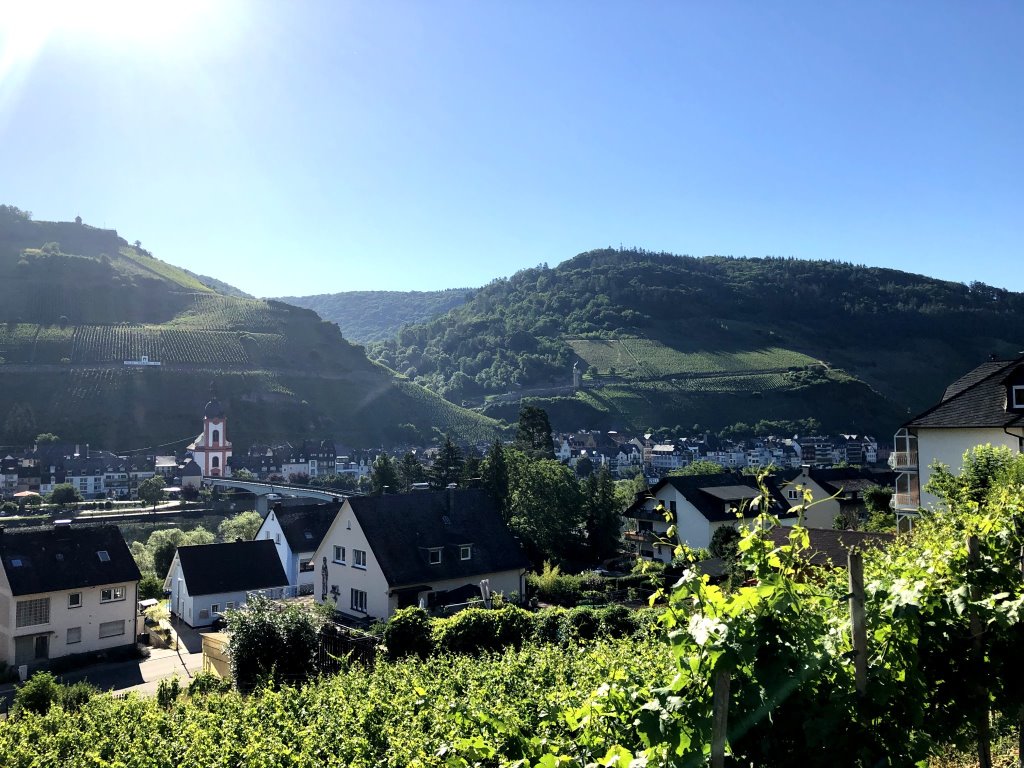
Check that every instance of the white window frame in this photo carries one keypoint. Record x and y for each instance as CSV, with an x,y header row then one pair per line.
x,y
215,608
339,554
434,556
792,494
359,558
358,600
72,602
1017,396
113,594
74,635
466,552
229,605
111,629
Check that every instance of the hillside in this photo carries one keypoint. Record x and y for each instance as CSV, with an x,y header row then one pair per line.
x,y
676,340
77,302
366,316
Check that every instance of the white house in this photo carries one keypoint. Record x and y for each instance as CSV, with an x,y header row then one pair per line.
x,y
697,505
383,553
65,590
207,579
834,491
986,406
296,533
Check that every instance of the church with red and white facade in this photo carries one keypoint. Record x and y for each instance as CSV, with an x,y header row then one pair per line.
x,y
212,449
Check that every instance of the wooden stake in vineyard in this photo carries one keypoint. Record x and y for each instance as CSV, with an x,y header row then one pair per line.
x,y
977,630
859,630
719,718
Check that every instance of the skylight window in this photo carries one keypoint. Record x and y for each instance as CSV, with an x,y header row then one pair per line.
x,y
15,562
309,534
103,556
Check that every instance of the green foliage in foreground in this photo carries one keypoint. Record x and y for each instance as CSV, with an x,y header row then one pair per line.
x,y
521,704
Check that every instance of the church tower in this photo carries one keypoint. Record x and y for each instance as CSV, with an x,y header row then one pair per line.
x,y
212,449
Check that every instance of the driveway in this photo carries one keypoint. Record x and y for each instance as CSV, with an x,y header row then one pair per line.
x,y
141,676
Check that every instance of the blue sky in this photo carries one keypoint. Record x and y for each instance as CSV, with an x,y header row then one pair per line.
x,y
293,148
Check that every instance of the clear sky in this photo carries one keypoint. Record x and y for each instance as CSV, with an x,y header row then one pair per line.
x,y
314,146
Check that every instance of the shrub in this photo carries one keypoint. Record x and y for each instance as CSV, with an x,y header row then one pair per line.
x,y
207,682
9,508
408,633
469,631
272,644
38,694
547,625
618,621
168,691
554,587
581,623
513,626
75,696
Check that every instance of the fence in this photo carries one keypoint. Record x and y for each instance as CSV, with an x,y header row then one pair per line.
x,y
338,643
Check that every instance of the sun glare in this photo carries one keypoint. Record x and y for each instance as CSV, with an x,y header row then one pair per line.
x,y
25,27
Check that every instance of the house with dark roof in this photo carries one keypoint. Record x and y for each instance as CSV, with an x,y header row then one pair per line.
x,y
382,553
697,505
65,590
985,406
835,491
207,579
297,532
830,548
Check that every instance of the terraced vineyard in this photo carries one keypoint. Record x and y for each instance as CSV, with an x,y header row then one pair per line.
x,y
215,312
646,358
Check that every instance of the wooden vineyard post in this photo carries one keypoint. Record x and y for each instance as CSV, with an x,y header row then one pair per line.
x,y
1019,524
984,746
719,718
859,631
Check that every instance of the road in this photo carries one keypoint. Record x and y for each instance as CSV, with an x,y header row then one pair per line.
x,y
139,676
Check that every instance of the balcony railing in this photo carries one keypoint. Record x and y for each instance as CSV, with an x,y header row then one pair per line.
x,y
906,500
283,593
903,459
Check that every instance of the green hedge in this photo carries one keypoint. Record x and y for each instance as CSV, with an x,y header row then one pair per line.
x,y
410,632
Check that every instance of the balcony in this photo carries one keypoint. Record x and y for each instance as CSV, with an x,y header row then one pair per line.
x,y
642,536
903,460
906,500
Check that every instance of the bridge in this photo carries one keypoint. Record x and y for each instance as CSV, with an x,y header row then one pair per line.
x,y
267,493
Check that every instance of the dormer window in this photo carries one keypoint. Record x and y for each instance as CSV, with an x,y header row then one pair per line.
x,y
434,556
1017,397
466,552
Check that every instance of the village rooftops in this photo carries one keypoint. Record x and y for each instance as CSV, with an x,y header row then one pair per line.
x,y
64,557
304,527
982,398
402,529
238,566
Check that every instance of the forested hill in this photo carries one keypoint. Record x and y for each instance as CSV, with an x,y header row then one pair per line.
x,y
366,316
667,340
77,302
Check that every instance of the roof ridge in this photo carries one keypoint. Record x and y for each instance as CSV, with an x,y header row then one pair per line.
x,y
963,391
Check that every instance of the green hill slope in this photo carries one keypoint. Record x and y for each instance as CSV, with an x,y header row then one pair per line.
x,y
77,302
366,316
670,340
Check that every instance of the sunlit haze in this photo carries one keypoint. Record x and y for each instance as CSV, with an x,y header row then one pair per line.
x,y
320,146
